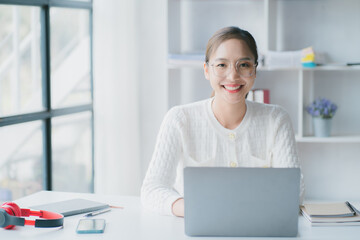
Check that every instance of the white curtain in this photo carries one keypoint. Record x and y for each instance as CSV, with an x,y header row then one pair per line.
x,y
129,90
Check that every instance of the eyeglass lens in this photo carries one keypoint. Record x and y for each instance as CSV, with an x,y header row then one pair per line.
x,y
223,67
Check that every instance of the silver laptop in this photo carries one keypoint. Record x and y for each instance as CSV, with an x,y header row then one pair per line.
x,y
241,202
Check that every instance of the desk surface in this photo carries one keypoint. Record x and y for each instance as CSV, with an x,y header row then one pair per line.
x,y
133,222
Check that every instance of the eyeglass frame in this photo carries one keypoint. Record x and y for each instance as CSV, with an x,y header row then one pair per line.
x,y
231,65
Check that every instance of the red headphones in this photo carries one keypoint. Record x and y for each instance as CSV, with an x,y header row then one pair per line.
x,y
11,215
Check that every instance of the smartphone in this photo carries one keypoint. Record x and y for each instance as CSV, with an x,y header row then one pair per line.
x,y
91,226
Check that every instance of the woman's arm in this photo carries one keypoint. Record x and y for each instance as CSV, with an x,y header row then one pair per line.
x,y
284,148
157,192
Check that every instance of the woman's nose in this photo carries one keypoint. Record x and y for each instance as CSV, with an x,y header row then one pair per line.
x,y
233,74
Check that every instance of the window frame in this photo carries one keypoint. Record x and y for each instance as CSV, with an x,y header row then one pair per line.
x,y
48,113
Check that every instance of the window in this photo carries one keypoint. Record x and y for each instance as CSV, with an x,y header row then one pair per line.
x,y
46,97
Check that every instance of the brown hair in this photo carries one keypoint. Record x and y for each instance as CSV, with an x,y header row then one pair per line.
x,y
227,33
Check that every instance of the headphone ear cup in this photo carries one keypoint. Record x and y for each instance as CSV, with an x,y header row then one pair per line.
x,y
12,209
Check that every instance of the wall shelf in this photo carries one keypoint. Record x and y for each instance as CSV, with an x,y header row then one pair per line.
x,y
331,139
185,62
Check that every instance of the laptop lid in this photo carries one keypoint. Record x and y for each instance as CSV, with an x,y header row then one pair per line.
x,y
242,202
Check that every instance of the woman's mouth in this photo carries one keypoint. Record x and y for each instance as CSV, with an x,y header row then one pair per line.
x,y
233,88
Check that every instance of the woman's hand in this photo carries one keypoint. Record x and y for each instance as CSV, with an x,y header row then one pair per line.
x,y
178,207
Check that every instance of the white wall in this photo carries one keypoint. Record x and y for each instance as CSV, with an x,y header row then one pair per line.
x,y
129,90
331,171
152,74
117,159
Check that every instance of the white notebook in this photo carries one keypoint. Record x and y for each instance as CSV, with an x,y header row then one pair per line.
x,y
340,209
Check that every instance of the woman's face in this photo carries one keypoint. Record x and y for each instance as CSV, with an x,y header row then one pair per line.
x,y
231,71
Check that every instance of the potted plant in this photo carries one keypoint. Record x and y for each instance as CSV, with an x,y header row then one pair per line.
x,y
322,110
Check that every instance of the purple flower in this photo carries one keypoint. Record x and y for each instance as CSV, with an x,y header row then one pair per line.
x,y
326,111
322,107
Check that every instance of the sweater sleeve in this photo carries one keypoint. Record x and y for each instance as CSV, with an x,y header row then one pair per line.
x,y
157,192
284,147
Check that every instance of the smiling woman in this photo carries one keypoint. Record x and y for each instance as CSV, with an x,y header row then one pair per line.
x,y
224,131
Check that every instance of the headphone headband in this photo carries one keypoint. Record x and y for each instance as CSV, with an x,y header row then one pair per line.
x,y
10,215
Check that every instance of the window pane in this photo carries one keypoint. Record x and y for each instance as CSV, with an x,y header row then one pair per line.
x,y
70,57
21,160
20,62
72,153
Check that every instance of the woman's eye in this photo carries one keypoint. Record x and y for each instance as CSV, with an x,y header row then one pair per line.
x,y
244,65
221,65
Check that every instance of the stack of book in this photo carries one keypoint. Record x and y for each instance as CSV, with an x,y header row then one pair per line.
x,y
259,95
283,59
331,214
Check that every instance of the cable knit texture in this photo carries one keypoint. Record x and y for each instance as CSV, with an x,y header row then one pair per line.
x,y
190,135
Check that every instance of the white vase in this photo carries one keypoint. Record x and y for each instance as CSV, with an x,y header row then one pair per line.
x,y
322,126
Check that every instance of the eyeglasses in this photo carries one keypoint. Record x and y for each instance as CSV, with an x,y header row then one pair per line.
x,y
223,68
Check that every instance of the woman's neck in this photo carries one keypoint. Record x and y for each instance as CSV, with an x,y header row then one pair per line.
x,y
228,115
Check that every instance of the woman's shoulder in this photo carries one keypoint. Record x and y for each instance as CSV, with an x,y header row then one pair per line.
x,y
267,110
190,110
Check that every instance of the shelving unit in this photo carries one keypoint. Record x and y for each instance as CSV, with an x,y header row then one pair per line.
x,y
181,33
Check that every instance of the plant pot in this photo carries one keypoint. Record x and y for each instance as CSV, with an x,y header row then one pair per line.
x,y
322,126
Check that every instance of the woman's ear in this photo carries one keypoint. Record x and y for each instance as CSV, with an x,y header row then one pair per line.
x,y
206,71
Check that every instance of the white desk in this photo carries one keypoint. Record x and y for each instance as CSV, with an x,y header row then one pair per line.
x,y
133,222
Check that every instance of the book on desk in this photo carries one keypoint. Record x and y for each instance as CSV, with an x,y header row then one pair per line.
x,y
331,214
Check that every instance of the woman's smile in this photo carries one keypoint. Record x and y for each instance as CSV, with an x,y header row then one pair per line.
x,y
232,88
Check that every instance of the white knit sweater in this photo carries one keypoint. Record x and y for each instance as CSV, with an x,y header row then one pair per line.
x,y
190,135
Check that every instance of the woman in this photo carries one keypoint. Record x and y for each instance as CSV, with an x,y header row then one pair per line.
x,y
225,130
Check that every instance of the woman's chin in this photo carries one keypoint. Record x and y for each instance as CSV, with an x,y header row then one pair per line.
x,y
235,99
